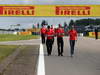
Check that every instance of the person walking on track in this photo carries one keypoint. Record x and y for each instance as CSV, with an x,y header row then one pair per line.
x,y
43,31
53,30
50,35
96,33
72,37
60,43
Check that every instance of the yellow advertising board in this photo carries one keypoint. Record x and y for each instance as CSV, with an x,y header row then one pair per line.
x,y
92,34
25,33
50,10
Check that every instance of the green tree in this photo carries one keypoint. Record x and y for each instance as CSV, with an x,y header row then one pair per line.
x,y
71,23
38,25
65,24
44,23
97,21
33,26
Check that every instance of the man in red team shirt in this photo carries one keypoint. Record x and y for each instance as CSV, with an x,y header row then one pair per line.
x,y
50,35
60,43
72,37
43,30
52,29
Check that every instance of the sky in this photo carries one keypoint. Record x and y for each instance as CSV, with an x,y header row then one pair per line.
x,y
46,2
27,22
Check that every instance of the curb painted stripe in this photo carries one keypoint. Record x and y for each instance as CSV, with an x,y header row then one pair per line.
x,y
41,64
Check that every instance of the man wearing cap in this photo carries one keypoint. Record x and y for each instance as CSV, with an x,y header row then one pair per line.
x,y
60,43
72,37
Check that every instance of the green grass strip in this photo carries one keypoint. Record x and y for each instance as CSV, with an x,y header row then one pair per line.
x,y
6,50
11,37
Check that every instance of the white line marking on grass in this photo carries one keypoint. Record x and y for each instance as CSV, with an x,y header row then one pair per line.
x,y
41,65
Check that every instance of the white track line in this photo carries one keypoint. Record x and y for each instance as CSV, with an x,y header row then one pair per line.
x,y
41,65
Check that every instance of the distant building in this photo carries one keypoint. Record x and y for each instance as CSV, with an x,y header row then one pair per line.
x,y
80,29
92,28
9,31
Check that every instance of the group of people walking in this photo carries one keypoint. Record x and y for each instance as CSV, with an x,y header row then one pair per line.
x,y
49,33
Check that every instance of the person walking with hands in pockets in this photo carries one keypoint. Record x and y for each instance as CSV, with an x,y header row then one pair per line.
x,y
72,37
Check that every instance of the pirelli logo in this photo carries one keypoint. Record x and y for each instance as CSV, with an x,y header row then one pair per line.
x,y
50,10
17,10
73,10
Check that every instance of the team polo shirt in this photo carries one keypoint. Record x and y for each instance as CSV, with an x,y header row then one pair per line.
x,y
43,30
49,34
73,35
60,32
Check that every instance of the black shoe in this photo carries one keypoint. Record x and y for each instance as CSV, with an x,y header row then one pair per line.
x,y
58,54
61,54
42,43
48,54
71,55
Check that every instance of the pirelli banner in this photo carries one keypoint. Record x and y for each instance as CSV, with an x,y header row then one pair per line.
x,y
50,10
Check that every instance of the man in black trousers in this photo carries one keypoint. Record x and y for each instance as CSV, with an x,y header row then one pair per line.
x,y
72,37
49,35
60,43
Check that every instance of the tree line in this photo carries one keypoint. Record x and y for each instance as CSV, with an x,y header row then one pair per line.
x,y
85,22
